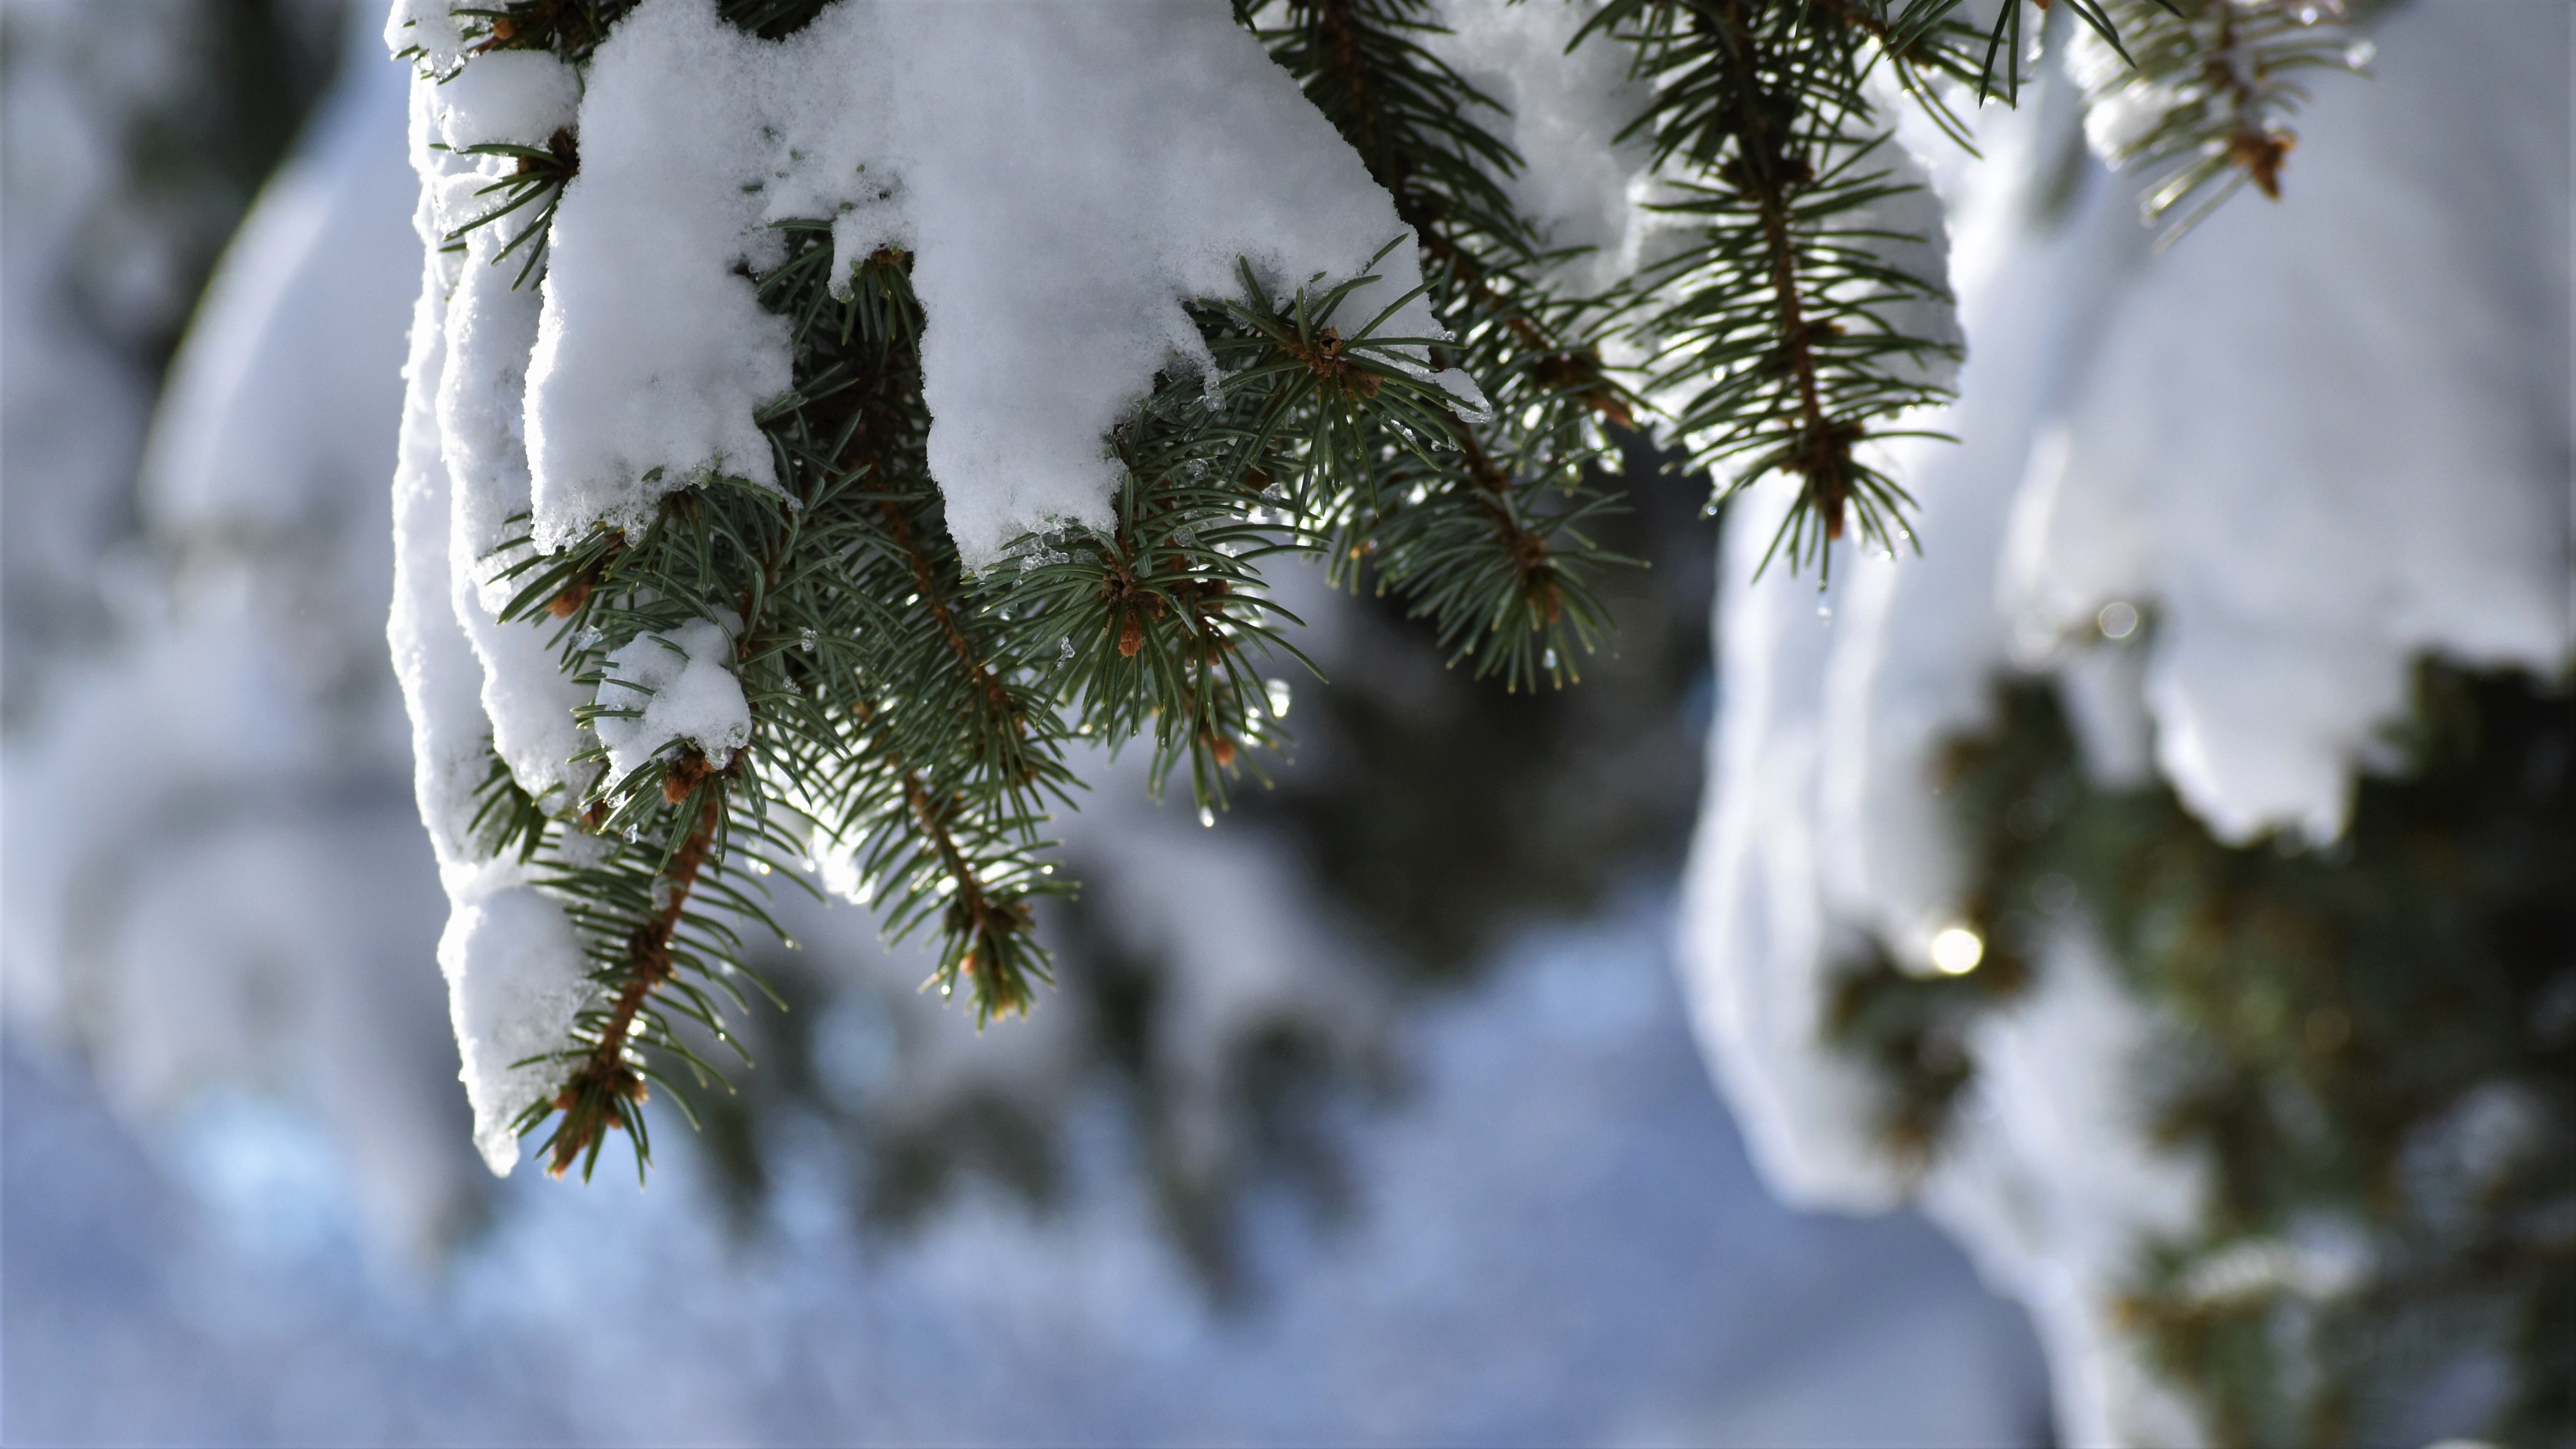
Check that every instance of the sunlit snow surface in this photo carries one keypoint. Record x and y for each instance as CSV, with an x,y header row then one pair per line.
x,y
1556,1239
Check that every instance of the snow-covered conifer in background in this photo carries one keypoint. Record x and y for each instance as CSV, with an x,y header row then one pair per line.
x,y
206,803
2166,876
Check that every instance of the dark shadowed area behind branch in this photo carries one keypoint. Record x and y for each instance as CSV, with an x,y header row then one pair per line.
x,y
1433,814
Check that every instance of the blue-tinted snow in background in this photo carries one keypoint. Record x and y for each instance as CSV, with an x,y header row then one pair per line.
x,y
1556,1239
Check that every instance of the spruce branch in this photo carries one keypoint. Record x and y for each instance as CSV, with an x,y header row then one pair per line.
x,y
1781,326
906,713
883,726
606,1087
681,796
1485,537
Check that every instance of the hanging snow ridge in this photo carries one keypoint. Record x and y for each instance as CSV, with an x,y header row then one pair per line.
x,y
515,972
516,983
428,27
1067,176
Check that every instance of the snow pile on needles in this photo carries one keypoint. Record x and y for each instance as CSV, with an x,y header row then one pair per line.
x,y
1068,177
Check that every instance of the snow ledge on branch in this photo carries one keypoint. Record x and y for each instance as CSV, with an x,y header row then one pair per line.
x,y
1066,177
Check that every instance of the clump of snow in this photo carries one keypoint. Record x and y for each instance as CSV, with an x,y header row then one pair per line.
x,y
510,97
2306,446
1068,177
432,656
490,328
628,399
2125,109
1906,228
684,685
1758,939
515,982
2374,465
